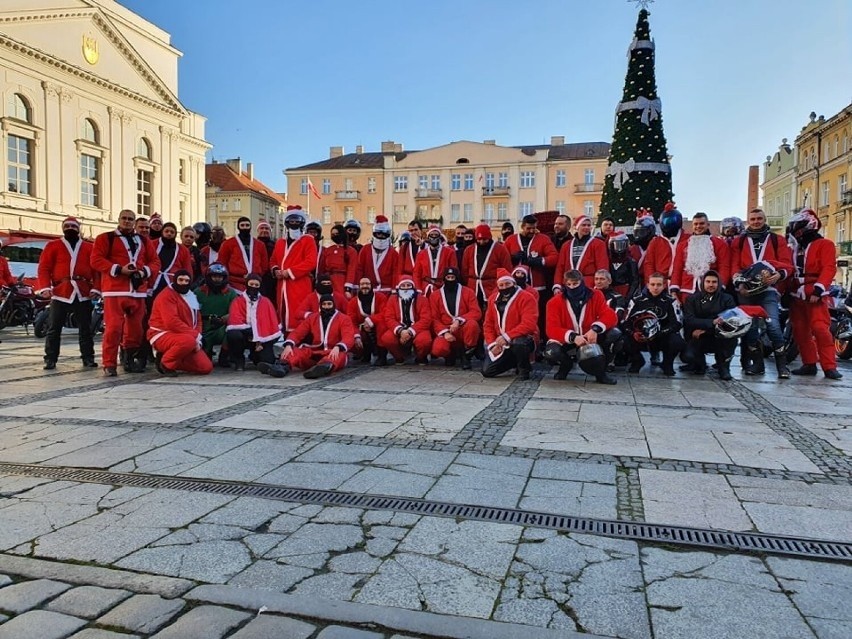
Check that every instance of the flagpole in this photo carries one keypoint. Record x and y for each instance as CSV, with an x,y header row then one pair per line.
x,y
309,196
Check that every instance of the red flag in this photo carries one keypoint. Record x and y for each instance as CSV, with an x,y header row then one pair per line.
x,y
313,189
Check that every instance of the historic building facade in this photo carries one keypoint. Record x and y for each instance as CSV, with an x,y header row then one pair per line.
x,y
91,122
233,192
779,186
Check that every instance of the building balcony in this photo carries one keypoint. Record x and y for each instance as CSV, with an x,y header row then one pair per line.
x,y
428,194
846,199
347,195
495,221
495,191
844,248
588,187
776,222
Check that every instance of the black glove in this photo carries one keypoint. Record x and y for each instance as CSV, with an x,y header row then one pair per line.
x,y
137,278
518,258
535,261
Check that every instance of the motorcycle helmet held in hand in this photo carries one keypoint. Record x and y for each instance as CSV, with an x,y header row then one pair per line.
x,y
751,281
735,322
591,359
645,326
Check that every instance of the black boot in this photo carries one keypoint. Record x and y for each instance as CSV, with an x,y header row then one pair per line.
x,y
755,354
49,364
139,361
699,364
278,369
723,366
805,369
565,367
320,370
603,378
465,361
781,363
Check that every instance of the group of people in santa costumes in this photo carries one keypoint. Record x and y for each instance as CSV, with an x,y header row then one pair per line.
x,y
599,300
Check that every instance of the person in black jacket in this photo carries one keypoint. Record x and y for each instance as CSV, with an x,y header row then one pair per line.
x,y
700,314
652,325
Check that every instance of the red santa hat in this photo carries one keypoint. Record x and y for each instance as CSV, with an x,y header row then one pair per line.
x,y
482,232
643,212
580,219
293,207
156,216
435,228
381,225
523,268
405,278
504,276
263,224
71,221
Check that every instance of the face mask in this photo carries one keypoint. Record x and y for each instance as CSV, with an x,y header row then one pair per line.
x,y
253,293
521,282
460,243
294,234
336,238
326,312
215,285
155,234
434,241
72,235
380,245
324,289
244,233
183,289
451,284
167,241
406,294
506,293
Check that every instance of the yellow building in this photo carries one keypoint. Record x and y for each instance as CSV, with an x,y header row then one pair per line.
x,y
457,183
233,193
90,118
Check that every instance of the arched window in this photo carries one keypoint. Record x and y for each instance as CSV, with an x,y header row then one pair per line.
x,y
19,108
144,150
90,131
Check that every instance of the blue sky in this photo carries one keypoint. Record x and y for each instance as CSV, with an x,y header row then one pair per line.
x,y
280,82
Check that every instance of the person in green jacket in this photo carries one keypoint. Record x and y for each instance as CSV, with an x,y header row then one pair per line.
x,y
214,298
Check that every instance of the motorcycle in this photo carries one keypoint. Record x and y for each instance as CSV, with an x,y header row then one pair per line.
x,y
40,321
18,305
840,310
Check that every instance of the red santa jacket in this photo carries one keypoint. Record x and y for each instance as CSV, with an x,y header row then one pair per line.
x,y
6,277
563,325
341,264
465,309
428,271
820,267
66,272
593,258
540,246
182,260
112,251
298,261
174,313
374,312
209,256
407,256
483,281
382,269
689,268
519,318
421,315
309,333
311,304
774,252
260,316
638,255
659,258
233,256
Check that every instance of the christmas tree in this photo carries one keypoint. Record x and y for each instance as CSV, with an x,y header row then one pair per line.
x,y
639,174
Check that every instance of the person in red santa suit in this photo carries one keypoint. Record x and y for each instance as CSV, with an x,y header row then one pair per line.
x,y
378,260
644,230
253,325
340,262
66,278
509,329
173,257
455,320
366,310
242,255
210,253
293,262
431,262
126,263
174,329
535,250
700,253
481,263
311,302
662,248
578,316
155,224
319,345
816,266
407,324
583,253
6,277
623,269
268,285
410,245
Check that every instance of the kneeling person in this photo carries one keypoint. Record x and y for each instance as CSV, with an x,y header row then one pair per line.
x,y
407,323
510,328
319,344
653,326
576,318
455,320
253,324
175,329
701,311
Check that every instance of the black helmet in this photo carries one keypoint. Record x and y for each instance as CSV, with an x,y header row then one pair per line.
x,y
618,247
671,221
644,229
591,359
216,270
645,326
751,281
313,225
201,228
804,220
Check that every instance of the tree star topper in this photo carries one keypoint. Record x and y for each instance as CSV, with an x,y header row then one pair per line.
x,y
642,4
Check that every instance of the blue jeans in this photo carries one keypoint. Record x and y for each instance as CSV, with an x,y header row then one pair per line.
x,y
769,301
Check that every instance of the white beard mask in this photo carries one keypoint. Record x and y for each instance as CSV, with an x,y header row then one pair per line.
x,y
381,245
699,255
294,234
406,294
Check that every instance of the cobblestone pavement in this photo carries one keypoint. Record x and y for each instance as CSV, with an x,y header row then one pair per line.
x,y
97,560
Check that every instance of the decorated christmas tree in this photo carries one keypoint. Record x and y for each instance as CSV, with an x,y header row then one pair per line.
x,y
639,174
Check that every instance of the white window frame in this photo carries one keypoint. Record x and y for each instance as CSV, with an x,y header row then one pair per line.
x,y
468,212
371,215
90,180
455,182
455,212
238,204
841,187
326,215
825,190
303,186
400,183
561,178
560,207
489,180
525,208
503,180
400,214
435,184
468,183
589,208
502,211
371,185
145,199
423,182
527,180
589,176
326,186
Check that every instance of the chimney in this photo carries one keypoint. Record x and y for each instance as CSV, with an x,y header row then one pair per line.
x,y
490,142
397,147
236,165
753,182
557,140
359,149
388,146
335,152
250,170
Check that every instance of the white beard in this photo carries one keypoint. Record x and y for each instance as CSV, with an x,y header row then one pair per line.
x,y
699,255
191,301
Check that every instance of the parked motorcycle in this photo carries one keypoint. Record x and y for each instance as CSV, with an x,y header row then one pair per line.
x,y
40,321
840,310
18,305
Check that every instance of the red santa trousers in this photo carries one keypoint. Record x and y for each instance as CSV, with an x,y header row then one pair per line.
x,y
303,357
422,345
180,354
123,324
466,337
812,332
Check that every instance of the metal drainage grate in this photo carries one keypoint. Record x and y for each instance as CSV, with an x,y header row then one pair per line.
x,y
637,531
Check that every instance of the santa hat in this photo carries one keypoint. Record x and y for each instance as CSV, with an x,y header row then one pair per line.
x,y
580,219
293,207
382,225
504,276
403,279
436,228
156,216
294,210
71,221
482,232
523,269
263,224
642,212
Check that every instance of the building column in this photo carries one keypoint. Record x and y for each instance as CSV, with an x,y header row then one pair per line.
x,y
50,173
70,172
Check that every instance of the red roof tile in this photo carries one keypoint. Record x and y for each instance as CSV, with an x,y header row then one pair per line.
x,y
224,177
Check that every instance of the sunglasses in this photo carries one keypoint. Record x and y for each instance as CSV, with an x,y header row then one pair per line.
x,y
127,219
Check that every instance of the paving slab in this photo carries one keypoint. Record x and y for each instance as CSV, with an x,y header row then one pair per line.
x,y
274,627
96,633
204,622
87,601
27,595
40,624
142,613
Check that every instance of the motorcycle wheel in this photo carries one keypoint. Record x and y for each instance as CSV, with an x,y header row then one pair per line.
x,y
97,323
789,344
843,348
40,324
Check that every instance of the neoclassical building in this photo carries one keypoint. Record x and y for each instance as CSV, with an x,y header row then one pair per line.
x,y
90,119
